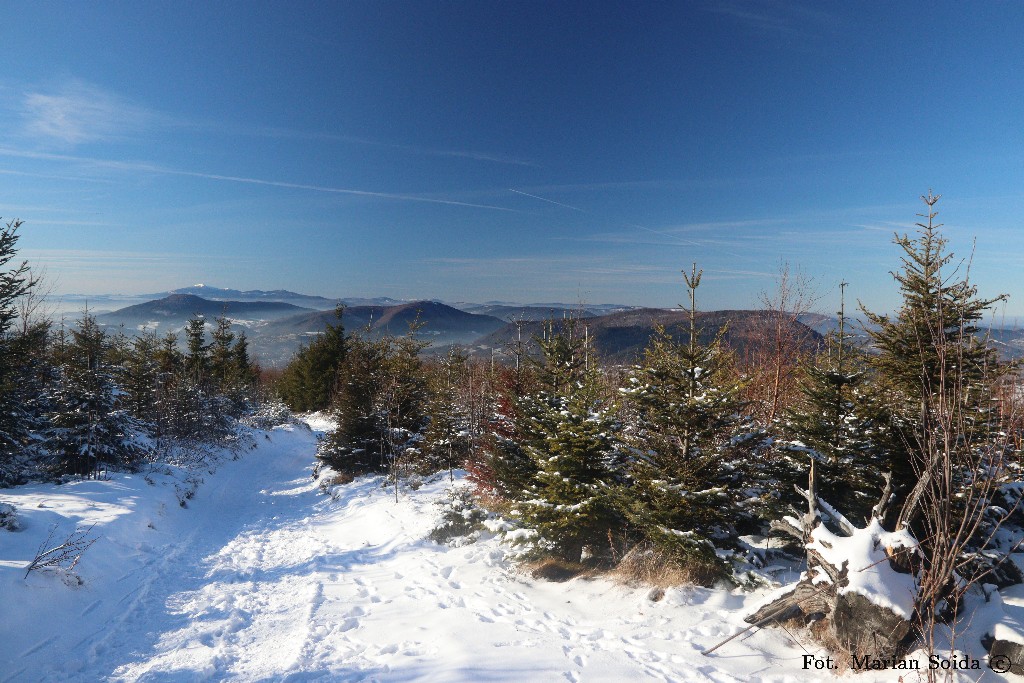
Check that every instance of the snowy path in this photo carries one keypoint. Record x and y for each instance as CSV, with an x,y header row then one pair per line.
x,y
263,578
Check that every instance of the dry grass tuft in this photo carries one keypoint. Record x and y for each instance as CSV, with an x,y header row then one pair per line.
x,y
821,631
554,569
338,479
647,565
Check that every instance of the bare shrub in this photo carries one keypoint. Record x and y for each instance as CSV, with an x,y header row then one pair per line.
x,y
780,341
63,557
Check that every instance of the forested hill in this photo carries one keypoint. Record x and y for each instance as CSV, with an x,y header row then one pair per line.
x,y
176,309
438,320
442,325
622,337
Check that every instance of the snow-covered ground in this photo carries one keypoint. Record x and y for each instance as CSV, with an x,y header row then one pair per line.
x,y
264,578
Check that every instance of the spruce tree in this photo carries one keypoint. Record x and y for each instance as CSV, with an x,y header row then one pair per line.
x,y
932,359
380,405
842,419
20,357
244,369
357,445
140,380
197,354
568,429
311,378
221,356
684,406
89,430
446,440
498,465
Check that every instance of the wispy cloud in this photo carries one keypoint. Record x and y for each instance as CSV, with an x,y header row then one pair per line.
x,y
52,176
77,112
717,226
621,238
773,17
886,226
110,256
147,167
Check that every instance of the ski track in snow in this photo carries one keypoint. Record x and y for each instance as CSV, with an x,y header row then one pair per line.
x,y
263,578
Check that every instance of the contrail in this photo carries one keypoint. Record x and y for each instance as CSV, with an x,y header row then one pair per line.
x,y
162,170
333,190
550,201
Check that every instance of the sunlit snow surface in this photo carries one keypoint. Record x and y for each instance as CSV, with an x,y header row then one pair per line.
x,y
264,578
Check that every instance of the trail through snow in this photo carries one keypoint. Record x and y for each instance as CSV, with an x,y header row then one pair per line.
x,y
264,578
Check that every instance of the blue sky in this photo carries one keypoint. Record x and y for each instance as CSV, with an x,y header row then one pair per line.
x,y
526,151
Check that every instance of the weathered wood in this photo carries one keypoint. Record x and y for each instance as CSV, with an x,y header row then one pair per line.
x,y
812,519
881,508
1007,653
837,575
839,518
864,628
788,528
805,599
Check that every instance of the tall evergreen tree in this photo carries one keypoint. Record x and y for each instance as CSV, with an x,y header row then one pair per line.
x,y
311,378
221,356
498,465
568,429
929,353
380,405
684,404
19,358
141,378
197,354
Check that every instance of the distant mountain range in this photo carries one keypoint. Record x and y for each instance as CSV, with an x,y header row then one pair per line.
x,y
278,322
276,295
277,329
75,303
